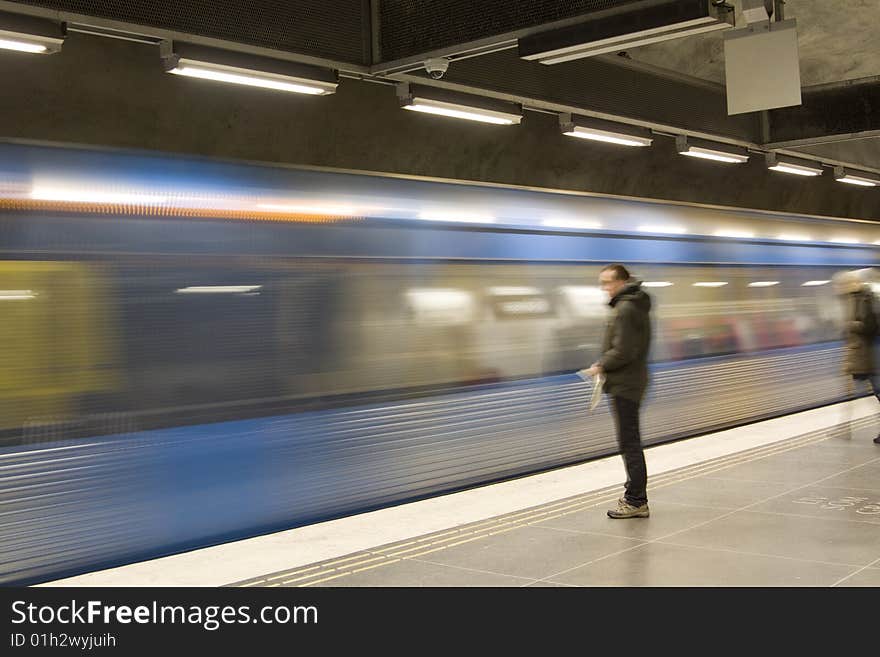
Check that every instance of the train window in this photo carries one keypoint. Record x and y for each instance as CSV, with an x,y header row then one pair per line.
x,y
519,302
441,306
584,301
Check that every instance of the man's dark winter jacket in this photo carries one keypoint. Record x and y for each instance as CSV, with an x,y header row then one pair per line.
x,y
626,344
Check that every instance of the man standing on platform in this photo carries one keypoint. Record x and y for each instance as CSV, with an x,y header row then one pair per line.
x,y
624,364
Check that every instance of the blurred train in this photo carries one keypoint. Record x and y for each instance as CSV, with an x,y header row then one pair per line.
x,y
195,351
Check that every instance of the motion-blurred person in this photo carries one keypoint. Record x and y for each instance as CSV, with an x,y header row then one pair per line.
x,y
860,331
624,364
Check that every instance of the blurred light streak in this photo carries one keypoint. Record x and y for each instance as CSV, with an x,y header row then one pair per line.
x,y
218,289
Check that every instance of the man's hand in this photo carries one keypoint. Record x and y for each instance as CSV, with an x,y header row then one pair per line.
x,y
593,370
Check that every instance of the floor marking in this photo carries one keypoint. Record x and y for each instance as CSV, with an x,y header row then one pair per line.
x,y
863,568
759,554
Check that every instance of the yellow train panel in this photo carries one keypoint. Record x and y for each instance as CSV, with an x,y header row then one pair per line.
x,y
57,339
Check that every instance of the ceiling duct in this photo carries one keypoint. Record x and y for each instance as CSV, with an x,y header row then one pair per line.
x,y
659,22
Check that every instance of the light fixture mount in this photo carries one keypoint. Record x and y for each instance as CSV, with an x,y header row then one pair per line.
x,y
604,131
854,177
792,165
443,102
243,68
709,150
31,34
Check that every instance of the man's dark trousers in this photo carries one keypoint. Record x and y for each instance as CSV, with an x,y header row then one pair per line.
x,y
626,417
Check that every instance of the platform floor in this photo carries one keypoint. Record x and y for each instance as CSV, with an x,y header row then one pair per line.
x,y
793,501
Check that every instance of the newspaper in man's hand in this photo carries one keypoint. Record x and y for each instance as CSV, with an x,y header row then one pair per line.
x,y
598,383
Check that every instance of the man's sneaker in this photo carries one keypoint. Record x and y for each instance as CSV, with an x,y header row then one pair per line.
x,y
626,510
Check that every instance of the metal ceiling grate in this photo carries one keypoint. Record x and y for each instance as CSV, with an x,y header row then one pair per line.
x,y
409,27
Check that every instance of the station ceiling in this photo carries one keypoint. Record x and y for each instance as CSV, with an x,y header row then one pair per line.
x,y
673,87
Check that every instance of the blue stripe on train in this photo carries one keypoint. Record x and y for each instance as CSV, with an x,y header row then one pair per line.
x,y
85,235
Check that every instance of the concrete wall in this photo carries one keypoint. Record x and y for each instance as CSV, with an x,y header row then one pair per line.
x,y
108,92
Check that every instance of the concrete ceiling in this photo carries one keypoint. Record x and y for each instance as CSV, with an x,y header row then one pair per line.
x,y
675,87
837,40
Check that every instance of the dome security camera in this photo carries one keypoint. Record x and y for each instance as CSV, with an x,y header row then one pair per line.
x,y
436,67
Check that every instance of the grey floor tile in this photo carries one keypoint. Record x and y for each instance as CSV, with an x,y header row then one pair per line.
x,y
665,518
717,493
866,476
846,454
659,564
835,541
864,450
827,503
861,435
532,552
868,577
418,573
782,469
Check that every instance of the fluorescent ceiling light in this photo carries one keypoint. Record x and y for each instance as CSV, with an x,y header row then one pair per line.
x,y
789,165
795,237
218,289
463,217
226,74
583,224
249,70
604,131
795,169
662,22
30,34
860,178
763,283
16,295
844,240
455,111
853,180
738,234
705,154
710,151
22,46
657,284
814,283
672,230
608,137
710,284
442,102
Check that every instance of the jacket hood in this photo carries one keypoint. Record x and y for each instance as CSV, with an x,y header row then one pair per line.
x,y
633,292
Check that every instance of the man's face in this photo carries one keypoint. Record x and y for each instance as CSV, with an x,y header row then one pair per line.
x,y
609,283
